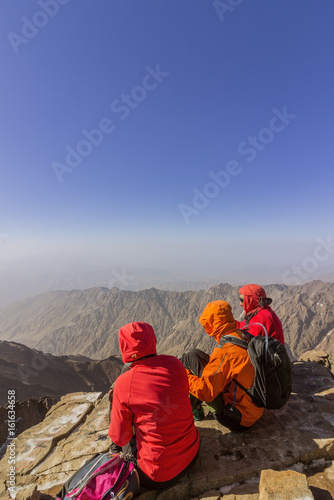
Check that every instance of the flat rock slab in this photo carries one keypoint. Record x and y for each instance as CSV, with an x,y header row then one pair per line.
x,y
39,443
286,485
76,428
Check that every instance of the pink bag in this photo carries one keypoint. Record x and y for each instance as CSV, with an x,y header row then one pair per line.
x,y
104,477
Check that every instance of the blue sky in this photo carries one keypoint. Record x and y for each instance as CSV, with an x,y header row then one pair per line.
x,y
182,89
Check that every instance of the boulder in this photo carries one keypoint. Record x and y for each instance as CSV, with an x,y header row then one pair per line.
x,y
229,463
286,485
322,357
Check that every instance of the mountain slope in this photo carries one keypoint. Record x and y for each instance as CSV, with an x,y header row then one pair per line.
x,y
87,322
32,373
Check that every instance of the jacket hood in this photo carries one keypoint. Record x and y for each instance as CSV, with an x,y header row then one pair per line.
x,y
136,340
217,319
251,294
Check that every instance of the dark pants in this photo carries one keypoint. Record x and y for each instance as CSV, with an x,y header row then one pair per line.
x,y
227,415
146,482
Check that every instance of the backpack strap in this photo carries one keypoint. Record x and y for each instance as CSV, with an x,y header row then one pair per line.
x,y
241,386
230,339
246,333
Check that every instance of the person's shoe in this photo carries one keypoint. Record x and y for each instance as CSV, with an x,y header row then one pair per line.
x,y
198,413
211,416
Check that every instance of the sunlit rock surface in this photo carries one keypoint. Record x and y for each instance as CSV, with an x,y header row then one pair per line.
x,y
299,437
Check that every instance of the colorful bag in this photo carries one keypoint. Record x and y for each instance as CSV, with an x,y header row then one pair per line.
x,y
104,477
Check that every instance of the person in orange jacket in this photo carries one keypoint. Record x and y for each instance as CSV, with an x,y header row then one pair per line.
x,y
256,304
211,378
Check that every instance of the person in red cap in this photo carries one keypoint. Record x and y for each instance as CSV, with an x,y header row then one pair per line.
x,y
257,309
151,410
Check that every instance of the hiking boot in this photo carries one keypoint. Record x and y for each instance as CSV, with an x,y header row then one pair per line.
x,y
198,413
211,416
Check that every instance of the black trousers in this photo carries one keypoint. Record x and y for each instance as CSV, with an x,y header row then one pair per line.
x,y
227,415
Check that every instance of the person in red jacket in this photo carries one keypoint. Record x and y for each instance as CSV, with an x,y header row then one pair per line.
x,y
151,410
256,304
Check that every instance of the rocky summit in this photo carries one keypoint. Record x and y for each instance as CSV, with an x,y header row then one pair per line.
x,y
291,448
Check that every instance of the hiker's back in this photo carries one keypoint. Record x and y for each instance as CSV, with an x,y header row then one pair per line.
x,y
155,389
269,319
240,368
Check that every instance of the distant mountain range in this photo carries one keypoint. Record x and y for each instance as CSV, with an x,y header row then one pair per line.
x,y
25,280
32,373
21,279
86,322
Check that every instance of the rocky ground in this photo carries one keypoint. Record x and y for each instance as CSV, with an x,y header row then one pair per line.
x,y
289,450
27,414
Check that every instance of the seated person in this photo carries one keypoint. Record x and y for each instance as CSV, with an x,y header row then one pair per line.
x,y
256,304
151,410
211,377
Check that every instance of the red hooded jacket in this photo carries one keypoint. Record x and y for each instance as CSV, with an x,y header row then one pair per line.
x,y
264,315
153,398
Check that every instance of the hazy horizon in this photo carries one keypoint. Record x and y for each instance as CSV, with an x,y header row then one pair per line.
x,y
23,278
175,137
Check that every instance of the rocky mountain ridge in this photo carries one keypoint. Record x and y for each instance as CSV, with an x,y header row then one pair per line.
x,y
32,373
87,322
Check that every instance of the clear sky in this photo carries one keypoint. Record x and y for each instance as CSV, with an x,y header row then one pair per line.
x,y
167,132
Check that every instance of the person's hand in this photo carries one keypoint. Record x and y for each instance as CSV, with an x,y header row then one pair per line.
x,y
115,449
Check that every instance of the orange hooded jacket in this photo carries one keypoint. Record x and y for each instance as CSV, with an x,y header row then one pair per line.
x,y
225,363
